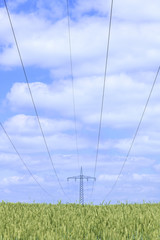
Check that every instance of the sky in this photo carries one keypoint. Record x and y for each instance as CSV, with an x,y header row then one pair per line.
x,y
41,29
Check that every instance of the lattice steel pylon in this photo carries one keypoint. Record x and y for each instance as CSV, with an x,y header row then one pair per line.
x,y
81,177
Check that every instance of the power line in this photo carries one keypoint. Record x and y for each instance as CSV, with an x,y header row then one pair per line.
x,y
23,160
26,78
73,92
136,132
103,93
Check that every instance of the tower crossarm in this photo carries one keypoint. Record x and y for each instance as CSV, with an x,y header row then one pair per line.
x,y
80,177
72,178
87,177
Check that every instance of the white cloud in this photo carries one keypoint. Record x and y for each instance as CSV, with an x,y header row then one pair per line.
x,y
125,99
20,180
157,167
107,177
89,7
6,158
13,4
48,42
25,133
35,144
123,106
132,10
135,10
144,144
146,177
51,9
22,124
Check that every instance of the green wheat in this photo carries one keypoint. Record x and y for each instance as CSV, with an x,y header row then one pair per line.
x,y
22,221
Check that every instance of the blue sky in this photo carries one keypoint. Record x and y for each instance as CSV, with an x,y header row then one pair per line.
x,y
42,34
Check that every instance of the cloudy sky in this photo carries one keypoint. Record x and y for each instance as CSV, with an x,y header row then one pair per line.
x,y
41,29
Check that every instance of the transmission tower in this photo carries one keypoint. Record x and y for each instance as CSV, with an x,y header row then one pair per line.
x,y
81,177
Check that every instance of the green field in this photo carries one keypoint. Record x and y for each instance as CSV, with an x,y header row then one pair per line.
x,y
74,221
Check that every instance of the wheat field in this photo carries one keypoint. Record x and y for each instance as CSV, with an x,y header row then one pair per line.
x,y
22,221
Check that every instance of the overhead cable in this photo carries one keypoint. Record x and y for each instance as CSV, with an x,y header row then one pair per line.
x,y
4,130
103,93
73,92
136,132
33,102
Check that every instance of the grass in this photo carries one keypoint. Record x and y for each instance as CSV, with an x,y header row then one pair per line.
x,y
22,221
